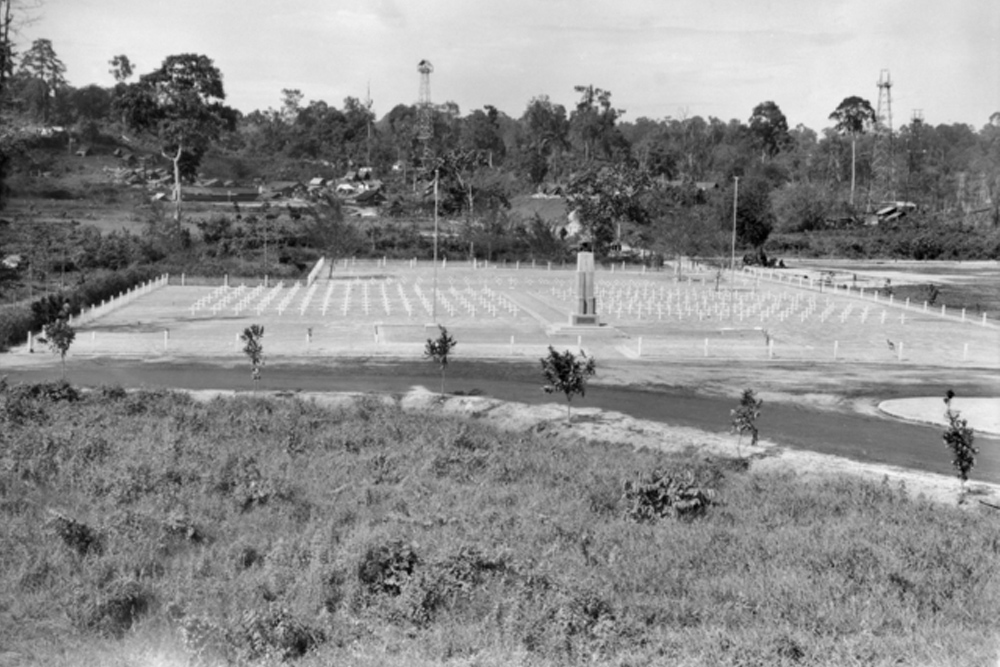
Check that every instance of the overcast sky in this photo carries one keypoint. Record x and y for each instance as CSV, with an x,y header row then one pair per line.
x,y
659,58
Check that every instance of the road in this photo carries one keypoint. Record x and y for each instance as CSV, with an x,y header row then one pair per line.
x,y
855,436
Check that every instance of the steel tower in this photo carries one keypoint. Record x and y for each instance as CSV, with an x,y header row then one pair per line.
x,y
883,187
425,123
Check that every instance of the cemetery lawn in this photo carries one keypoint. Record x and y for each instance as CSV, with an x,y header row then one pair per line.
x,y
364,533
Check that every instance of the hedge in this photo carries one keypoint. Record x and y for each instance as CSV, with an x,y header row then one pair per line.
x,y
16,321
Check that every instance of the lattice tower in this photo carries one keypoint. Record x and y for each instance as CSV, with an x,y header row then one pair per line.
x,y
883,184
425,122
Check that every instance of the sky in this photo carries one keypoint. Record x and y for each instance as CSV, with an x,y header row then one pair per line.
x,y
659,58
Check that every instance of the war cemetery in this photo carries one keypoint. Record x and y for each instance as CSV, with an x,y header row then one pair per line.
x,y
682,310
309,386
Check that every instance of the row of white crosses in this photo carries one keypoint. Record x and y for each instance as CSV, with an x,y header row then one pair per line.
x,y
209,299
847,289
245,301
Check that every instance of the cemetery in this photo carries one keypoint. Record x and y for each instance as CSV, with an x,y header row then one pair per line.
x,y
691,311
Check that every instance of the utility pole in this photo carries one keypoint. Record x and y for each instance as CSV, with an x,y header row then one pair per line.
x,y
435,246
732,257
736,192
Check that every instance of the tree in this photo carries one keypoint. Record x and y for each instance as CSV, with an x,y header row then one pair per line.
x,y
59,335
439,350
754,217
593,121
121,68
959,438
769,127
568,374
481,133
604,199
854,116
745,417
181,104
41,64
546,129
254,349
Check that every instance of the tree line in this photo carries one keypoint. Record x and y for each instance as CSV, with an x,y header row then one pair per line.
x,y
791,178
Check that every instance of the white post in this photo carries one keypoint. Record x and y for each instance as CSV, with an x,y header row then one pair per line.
x,y
943,309
31,342
166,338
236,344
984,319
579,342
512,346
836,344
706,347
639,349
770,349
965,352
963,314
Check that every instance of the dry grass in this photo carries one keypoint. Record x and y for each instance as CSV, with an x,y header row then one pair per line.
x,y
367,535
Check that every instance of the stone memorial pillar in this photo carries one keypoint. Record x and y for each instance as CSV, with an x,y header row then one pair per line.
x,y
586,306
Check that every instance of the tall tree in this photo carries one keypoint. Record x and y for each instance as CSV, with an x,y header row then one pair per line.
x,y
754,216
546,132
769,127
481,132
181,104
593,121
41,64
854,116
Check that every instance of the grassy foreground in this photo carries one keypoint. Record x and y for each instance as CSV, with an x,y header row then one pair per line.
x,y
136,528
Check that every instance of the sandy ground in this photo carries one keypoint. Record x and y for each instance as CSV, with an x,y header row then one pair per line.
x,y
982,414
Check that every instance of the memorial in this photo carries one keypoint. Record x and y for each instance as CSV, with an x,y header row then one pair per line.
x,y
586,306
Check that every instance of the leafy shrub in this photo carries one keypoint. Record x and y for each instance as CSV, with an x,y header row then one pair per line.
x,y
275,633
659,495
78,536
121,605
386,568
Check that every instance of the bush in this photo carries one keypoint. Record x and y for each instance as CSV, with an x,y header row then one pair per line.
x,y
660,495
17,321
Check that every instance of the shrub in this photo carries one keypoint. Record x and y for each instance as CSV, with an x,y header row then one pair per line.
x,y
120,606
385,568
659,495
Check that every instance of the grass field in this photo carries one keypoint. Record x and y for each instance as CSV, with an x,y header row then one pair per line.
x,y
270,530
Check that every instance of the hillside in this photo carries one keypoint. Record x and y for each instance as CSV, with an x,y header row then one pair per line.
x,y
145,528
